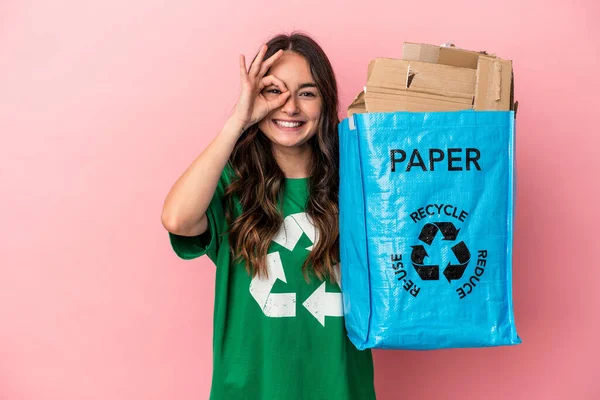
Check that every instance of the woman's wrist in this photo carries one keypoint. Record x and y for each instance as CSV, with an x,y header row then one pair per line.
x,y
234,126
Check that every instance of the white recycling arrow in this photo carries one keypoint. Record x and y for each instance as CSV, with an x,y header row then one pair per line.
x,y
274,305
292,228
322,304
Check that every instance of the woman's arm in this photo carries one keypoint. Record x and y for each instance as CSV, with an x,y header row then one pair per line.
x,y
184,209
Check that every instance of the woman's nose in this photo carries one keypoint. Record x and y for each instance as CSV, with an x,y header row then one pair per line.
x,y
290,106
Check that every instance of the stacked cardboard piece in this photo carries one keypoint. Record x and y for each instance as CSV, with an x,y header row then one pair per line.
x,y
434,78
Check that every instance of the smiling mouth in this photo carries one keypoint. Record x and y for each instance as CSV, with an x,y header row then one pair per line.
x,y
284,125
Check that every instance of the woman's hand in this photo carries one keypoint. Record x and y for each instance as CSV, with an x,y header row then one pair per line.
x,y
252,106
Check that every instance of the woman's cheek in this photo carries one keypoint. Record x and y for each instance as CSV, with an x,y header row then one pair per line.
x,y
314,110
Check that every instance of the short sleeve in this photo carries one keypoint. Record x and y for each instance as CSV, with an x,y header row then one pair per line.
x,y
209,242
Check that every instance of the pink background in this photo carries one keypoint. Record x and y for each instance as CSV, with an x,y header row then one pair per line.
x,y
103,104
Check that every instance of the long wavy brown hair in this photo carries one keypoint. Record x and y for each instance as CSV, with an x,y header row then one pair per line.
x,y
259,181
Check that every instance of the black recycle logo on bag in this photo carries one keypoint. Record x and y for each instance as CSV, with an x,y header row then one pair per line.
x,y
419,253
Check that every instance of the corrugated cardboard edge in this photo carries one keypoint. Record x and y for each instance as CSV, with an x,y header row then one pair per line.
x,y
452,56
358,104
404,85
491,90
420,52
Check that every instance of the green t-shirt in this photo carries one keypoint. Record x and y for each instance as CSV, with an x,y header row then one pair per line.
x,y
277,338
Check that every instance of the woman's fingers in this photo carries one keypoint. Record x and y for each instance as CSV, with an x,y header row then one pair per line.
x,y
272,101
255,67
278,101
243,70
267,64
259,67
273,80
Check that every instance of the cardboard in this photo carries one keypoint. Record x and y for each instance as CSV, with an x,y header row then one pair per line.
x,y
440,55
494,86
358,104
434,78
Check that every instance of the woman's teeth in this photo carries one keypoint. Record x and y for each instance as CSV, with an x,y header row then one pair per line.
x,y
288,124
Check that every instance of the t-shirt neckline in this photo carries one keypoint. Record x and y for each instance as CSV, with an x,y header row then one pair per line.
x,y
296,182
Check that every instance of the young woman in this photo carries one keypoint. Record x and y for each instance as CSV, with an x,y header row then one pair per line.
x,y
262,202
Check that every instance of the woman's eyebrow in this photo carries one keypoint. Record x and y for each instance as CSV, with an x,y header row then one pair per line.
x,y
301,86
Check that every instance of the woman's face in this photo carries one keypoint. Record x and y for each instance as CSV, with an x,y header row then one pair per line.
x,y
294,123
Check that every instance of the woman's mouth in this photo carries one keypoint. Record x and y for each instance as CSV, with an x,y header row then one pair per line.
x,y
288,125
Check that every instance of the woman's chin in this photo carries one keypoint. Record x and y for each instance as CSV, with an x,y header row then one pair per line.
x,y
287,140
287,143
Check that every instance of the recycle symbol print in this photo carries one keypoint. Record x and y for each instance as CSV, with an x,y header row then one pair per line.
x,y
320,303
419,253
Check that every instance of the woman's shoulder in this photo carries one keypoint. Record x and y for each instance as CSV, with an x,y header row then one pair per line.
x,y
228,174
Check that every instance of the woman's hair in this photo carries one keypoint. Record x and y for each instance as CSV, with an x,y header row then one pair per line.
x,y
259,181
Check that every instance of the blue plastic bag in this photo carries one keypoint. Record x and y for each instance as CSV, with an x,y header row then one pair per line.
x,y
426,217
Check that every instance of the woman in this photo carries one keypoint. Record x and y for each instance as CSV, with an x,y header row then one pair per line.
x,y
262,202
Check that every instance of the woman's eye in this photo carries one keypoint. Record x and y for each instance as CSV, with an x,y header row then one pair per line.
x,y
277,91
